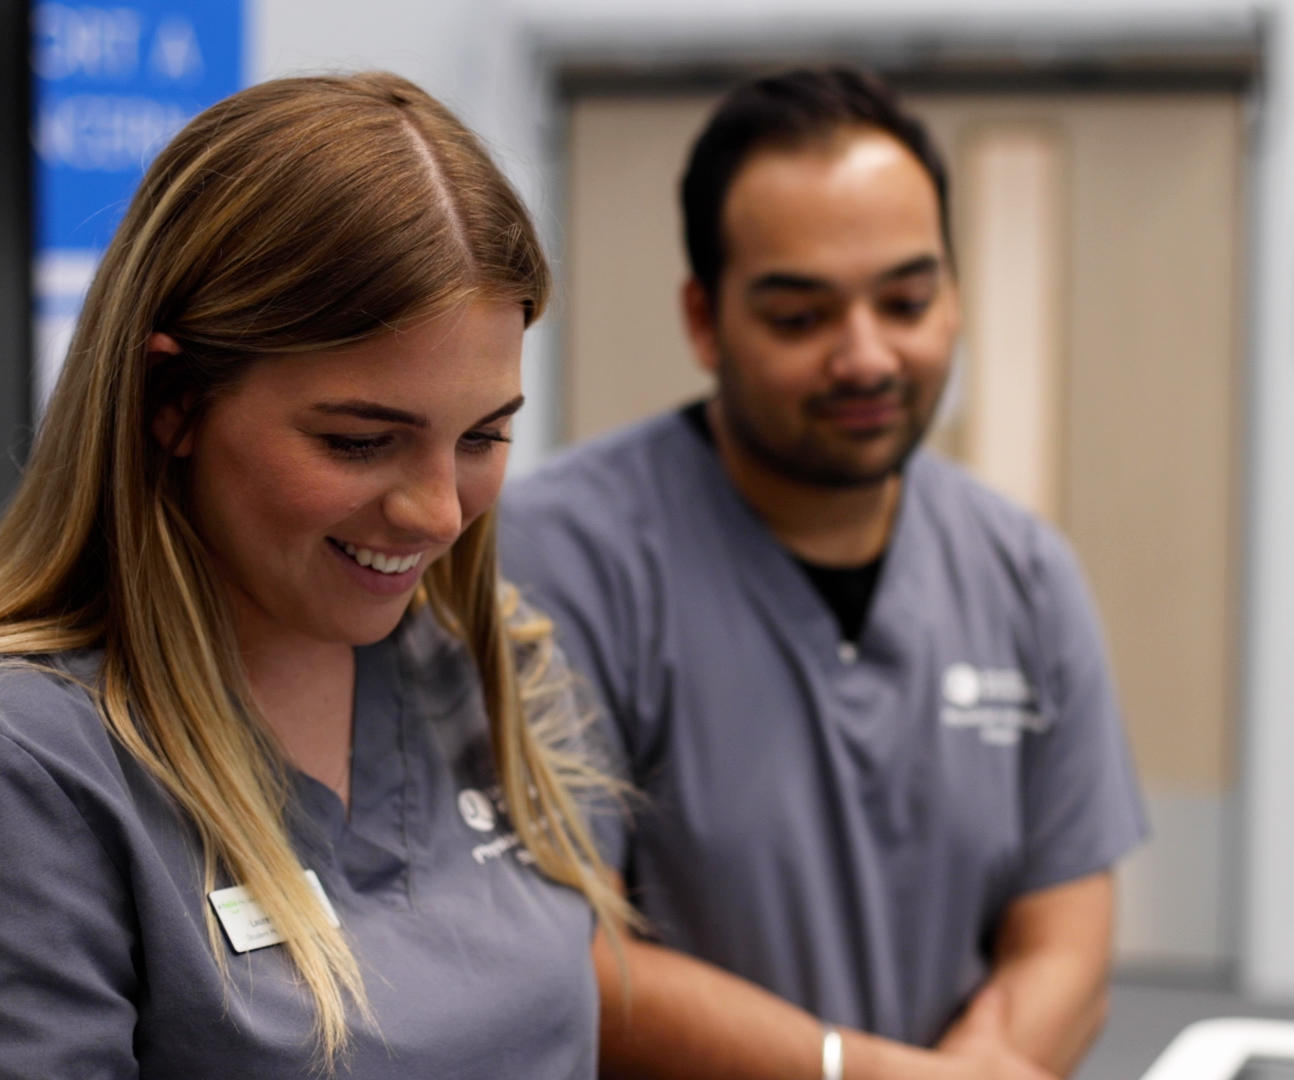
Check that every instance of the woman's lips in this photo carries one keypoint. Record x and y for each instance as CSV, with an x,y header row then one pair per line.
x,y
384,582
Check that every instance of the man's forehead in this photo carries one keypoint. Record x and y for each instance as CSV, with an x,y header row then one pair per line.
x,y
862,198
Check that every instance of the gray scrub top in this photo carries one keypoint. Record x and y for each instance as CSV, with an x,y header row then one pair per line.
x,y
840,822
476,965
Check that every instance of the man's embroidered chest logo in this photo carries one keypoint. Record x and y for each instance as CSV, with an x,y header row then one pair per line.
x,y
999,702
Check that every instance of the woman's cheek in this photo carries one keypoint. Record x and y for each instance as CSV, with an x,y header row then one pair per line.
x,y
480,484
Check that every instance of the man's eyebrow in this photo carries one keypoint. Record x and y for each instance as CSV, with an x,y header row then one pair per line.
x,y
783,280
922,264
789,281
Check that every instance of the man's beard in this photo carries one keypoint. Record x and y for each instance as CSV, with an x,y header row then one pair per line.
x,y
809,461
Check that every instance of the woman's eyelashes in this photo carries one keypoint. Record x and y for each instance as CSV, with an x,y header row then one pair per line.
x,y
357,447
367,447
483,441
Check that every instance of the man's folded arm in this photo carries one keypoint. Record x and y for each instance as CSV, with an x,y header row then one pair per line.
x,y
1051,966
670,1016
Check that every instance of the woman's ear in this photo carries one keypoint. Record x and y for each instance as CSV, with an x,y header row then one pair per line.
x,y
159,348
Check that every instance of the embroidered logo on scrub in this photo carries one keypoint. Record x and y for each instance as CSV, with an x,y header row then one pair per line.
x,y
998,701
476,809
482,811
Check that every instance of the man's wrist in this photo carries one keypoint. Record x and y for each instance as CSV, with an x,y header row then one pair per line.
x,y
871,1057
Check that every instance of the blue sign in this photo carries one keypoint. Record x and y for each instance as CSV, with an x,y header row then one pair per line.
x,y
113,84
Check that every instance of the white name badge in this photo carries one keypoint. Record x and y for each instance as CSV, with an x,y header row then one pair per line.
x,y
245,922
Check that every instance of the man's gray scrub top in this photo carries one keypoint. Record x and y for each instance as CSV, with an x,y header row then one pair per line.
x,y
840,822
477,966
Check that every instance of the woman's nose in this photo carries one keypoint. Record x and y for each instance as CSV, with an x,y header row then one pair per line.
x,y
426,505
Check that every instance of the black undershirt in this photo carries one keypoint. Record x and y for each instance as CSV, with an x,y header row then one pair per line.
x,y
846,590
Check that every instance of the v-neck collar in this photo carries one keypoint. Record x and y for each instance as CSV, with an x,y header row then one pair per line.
x,y
770,575
377,746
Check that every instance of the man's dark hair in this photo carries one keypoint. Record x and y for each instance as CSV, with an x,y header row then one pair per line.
x,y
788,111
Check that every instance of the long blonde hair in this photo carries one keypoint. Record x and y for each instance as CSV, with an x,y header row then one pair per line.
x,y
300,214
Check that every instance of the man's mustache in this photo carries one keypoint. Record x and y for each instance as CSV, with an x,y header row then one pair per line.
x,y
850,393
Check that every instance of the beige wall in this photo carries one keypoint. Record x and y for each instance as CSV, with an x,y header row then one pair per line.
x,y
626,355
1147,438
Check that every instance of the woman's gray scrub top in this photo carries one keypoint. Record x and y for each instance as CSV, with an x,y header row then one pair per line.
x,y
476,965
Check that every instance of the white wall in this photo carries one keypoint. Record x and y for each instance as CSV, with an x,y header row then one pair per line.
x,y
490,59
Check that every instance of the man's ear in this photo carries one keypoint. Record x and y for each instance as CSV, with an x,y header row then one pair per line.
x,y
699,320
167,421
955,308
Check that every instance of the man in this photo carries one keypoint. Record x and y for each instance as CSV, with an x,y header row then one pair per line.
x,y
865,698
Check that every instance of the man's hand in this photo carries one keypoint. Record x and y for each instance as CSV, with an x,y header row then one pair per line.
x,y
1049,973
679,1018
980,1050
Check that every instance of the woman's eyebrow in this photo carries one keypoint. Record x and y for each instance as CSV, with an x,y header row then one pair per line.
x,y
370,410
503,410
387,414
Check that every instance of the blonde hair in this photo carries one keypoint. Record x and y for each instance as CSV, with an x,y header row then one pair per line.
x,y
300,214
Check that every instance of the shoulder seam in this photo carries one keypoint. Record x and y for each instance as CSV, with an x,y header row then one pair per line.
x,y
66,797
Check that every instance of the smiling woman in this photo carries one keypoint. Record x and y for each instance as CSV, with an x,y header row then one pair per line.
x,y
258,658
322,508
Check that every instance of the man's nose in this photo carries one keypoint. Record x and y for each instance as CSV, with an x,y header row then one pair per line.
x,y
863,353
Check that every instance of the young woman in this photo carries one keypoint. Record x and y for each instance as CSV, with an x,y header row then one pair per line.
x,y
285,775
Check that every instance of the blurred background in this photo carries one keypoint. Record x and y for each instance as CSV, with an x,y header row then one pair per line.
x,y
1123,175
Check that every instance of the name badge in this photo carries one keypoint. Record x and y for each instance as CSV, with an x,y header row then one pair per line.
x,y
245,923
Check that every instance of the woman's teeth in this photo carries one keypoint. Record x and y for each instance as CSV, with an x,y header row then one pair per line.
x,y
383,564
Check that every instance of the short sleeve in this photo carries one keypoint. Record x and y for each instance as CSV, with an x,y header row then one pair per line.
x,y
1083,808
596,741
548,553
67,981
